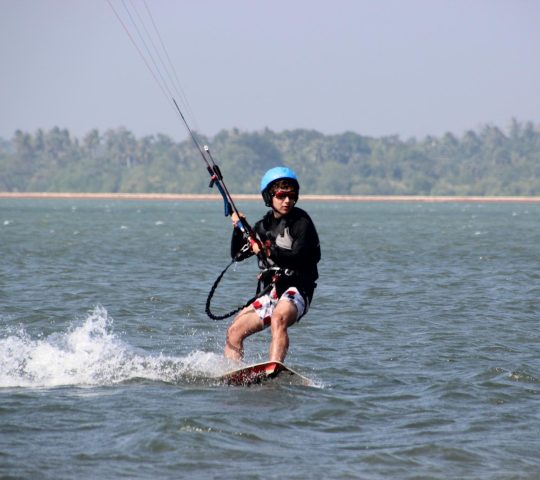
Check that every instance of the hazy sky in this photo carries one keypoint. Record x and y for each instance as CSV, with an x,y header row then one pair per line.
x,y
380,67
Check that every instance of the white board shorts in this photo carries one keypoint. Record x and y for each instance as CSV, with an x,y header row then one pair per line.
x,y
264,306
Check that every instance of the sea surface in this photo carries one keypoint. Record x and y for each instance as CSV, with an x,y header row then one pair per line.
x,y
423,342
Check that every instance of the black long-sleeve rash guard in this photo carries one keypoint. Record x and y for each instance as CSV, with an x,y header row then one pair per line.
x,y
294,245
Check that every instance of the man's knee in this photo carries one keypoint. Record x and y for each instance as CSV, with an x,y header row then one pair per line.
x,y
282,319
243,326
235,333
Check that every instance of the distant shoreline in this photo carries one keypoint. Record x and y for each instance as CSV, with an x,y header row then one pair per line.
x,y
324,198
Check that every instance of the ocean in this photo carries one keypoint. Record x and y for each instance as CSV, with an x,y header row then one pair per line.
x,y
423,343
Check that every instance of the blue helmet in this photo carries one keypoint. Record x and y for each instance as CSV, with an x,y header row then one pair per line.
x,y
271,176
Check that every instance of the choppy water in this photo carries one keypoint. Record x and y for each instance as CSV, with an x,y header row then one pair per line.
x,y
423,341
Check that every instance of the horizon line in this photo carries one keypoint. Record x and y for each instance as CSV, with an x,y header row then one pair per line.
x,y
253,197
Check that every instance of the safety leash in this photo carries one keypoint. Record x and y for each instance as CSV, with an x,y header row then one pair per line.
x,y
259,294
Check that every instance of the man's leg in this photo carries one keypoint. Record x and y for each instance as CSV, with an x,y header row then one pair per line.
x,y
246,323
283,316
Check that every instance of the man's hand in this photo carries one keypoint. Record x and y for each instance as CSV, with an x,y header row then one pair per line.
x,y
254,244
237,218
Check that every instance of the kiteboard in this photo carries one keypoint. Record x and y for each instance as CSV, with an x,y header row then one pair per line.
x,y
263,372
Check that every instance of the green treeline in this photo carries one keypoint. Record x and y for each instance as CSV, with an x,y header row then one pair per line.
x,y
488,161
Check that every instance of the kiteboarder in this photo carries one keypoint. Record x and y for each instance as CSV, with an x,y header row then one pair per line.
x,y
287,245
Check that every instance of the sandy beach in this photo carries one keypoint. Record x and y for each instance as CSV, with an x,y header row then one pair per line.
x,y
255,197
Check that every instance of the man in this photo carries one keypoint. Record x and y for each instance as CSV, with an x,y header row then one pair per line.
x,y
288,243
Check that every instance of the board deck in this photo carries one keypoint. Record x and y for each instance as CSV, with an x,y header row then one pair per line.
x,y
262,372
